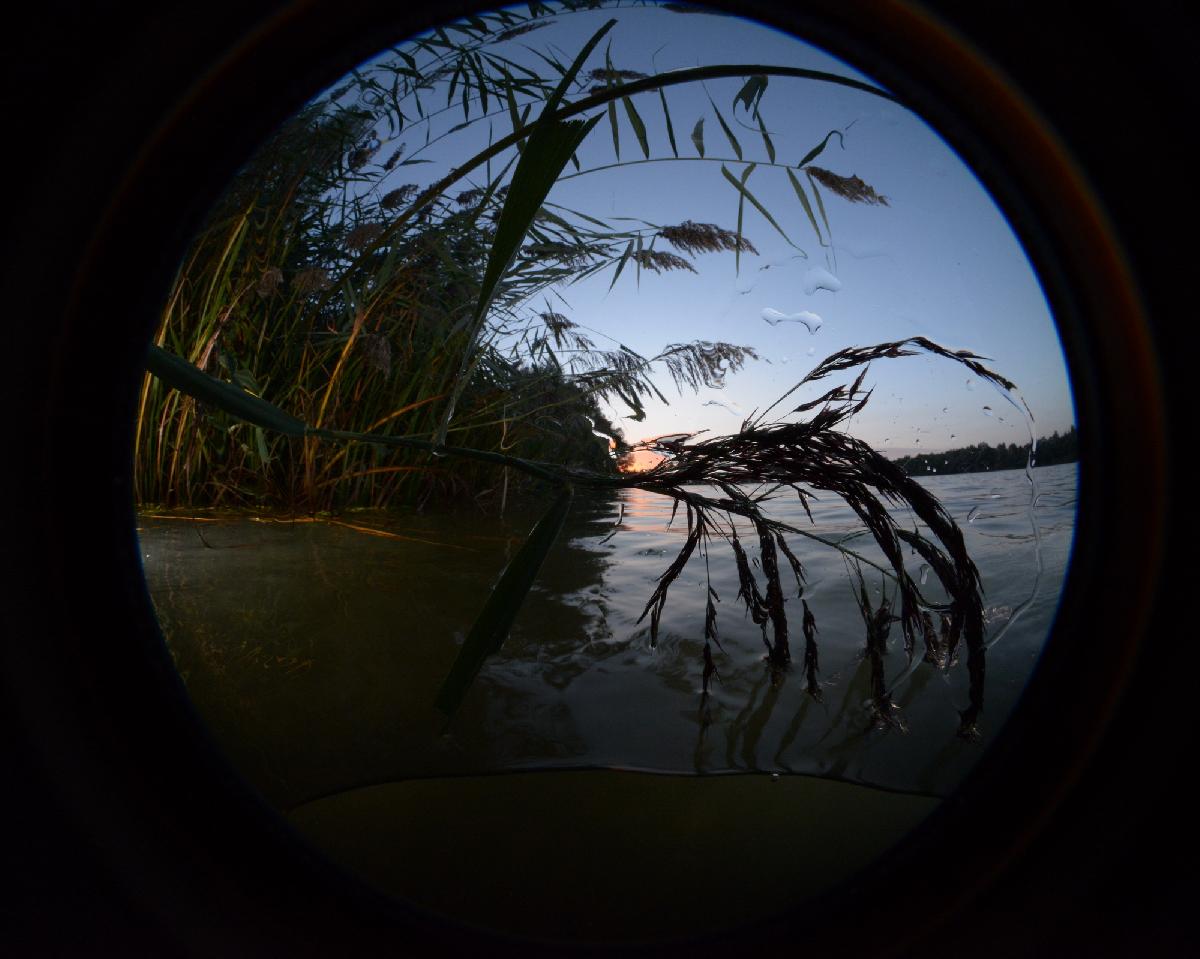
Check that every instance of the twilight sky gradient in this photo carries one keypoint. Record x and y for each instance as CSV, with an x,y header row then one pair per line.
x,y
940,261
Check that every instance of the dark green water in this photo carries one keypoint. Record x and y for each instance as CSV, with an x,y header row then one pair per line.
x,y
583,756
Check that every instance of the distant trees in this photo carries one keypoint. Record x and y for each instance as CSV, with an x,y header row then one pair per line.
x,y
1051,451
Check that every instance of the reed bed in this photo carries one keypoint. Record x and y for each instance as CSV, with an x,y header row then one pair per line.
x,y
339,337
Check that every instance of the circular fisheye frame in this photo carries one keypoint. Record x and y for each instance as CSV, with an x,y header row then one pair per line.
x,y
601,476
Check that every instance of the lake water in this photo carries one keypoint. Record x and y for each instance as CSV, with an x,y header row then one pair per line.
x,y
313,652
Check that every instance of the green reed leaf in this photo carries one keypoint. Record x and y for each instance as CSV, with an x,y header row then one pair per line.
x,y
621,263
546,152
751,93
477,69
698,136
183,376
670,129
820,147
741,188
803,198
616,133
733,141
820,205
639,128
495,620
767,142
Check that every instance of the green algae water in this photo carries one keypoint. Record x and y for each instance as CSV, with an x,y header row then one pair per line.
x,y
584,759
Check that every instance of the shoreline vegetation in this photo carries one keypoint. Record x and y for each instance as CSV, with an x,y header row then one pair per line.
x,y
337,337
1053,450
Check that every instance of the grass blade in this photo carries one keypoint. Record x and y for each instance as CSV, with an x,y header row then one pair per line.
x,y
616,135
751,93
817,150
820,206
639,128
670,129
621,264
762,128
183,376
733,141
803,198
698,136
546,152
494,621
741,188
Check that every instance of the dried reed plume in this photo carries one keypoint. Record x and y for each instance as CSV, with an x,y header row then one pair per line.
x,y
693,238
363,235
312,280
814,454
399,197
659,261
270,281
848,187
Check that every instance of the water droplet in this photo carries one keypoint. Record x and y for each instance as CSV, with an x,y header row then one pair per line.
x,y
970,384
812,351
774,777
924,573
811,321
987,411
973,515
819,279
783,360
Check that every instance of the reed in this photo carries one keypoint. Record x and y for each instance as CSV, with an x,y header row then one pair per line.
x,y
363,303
392,322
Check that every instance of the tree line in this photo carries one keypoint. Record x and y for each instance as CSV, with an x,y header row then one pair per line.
x,y
1051,451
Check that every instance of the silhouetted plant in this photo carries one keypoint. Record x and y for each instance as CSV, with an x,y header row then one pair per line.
x,y
372,315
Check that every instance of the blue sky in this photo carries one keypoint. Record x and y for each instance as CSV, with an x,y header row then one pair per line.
x,y
940,261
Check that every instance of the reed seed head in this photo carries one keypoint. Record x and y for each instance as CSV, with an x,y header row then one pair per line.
x,y
363,236
693,238
848,187
270,281
312,280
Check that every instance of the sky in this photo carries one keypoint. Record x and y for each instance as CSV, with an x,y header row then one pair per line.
x,y
939,261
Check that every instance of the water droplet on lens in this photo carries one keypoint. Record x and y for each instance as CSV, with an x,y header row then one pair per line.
x,y
727,407
970,384
819,279
973,515
987,411
811,321
924,573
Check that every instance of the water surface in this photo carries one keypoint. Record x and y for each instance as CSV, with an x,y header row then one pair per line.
x,y
314,650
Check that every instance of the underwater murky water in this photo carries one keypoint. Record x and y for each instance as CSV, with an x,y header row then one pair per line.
x,y
313,652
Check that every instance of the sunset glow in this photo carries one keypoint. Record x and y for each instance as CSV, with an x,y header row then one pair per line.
x,y
639,461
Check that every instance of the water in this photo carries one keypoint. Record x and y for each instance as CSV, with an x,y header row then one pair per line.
x,y
313,651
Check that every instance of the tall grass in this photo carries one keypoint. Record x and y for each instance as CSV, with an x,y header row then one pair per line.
x,y
327,282
329,331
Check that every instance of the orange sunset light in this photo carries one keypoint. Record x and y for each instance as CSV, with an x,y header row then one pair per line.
x,y
639,461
